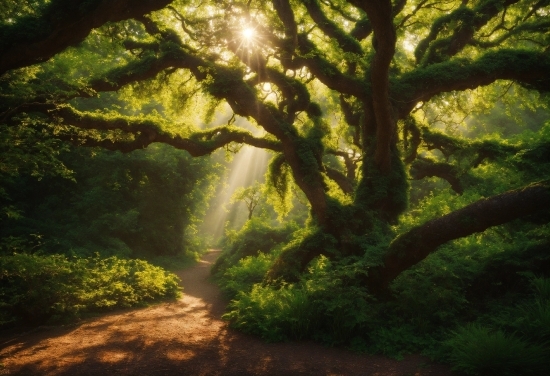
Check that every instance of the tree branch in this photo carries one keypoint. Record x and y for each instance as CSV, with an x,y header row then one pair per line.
x,y
432,50
290,42
63,24
424,167
529,68
345,184
415,245
147,131
330,29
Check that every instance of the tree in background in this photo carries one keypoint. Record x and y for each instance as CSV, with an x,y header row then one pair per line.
x,y
250,195
337,87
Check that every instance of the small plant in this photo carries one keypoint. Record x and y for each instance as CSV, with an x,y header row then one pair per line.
x,y
275,314
476,350
245,274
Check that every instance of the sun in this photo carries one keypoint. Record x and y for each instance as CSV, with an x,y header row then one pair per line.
x,y
248,33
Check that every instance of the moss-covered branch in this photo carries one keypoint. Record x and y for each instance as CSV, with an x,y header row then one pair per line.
x,y
62,23
537,27
415,245
290,41
529,68
345,184
346,42
147,131
424,167
466,21
327,72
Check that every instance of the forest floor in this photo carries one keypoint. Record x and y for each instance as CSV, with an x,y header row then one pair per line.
x,y
186,337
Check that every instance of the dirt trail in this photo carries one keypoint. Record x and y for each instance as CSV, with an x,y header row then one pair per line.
x,y
186,337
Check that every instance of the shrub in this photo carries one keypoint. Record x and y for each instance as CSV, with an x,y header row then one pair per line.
x,y
275,314
476,350
247,272
326,304
255,236
36,289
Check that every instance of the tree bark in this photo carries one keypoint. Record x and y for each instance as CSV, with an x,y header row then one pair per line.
x,y
71,28
415,245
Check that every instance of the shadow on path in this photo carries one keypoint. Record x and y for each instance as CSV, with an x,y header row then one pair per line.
x,y
186,337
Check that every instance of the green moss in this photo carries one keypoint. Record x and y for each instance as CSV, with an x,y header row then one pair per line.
x,y
383,193
222,80
296,255
278,185
498,63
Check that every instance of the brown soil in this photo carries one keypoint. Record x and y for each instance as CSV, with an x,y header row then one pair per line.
x,y
186,337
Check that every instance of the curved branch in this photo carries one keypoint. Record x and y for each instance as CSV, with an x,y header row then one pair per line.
x,y
64,24
423,167
327,72
147,131
345,184
529,68
346,43
539,26
432,50
415,245
148,67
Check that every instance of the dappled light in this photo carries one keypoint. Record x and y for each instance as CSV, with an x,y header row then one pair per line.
x,y
184,336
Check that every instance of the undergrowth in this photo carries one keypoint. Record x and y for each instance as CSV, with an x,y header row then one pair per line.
x,y
36,289
480,304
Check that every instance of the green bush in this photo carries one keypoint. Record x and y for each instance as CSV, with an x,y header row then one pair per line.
x,y
326,305
476,350
35,289
255,236
247,272
275,314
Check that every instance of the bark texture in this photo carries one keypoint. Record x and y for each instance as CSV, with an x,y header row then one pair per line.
x,y
415,245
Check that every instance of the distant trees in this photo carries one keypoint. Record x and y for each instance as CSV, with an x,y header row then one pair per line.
x,y
144,204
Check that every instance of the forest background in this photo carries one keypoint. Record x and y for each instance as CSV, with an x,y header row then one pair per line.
x,y
405,146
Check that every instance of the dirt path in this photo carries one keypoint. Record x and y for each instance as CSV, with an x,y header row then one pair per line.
x,y
186,337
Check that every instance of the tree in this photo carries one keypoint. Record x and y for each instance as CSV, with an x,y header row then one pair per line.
x,y
250,196
321,78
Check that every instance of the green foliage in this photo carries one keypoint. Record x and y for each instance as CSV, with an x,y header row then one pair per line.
x,y
248,271
143,204
479,276
255,236
326,305
279,186
477,350
273,314
35,289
